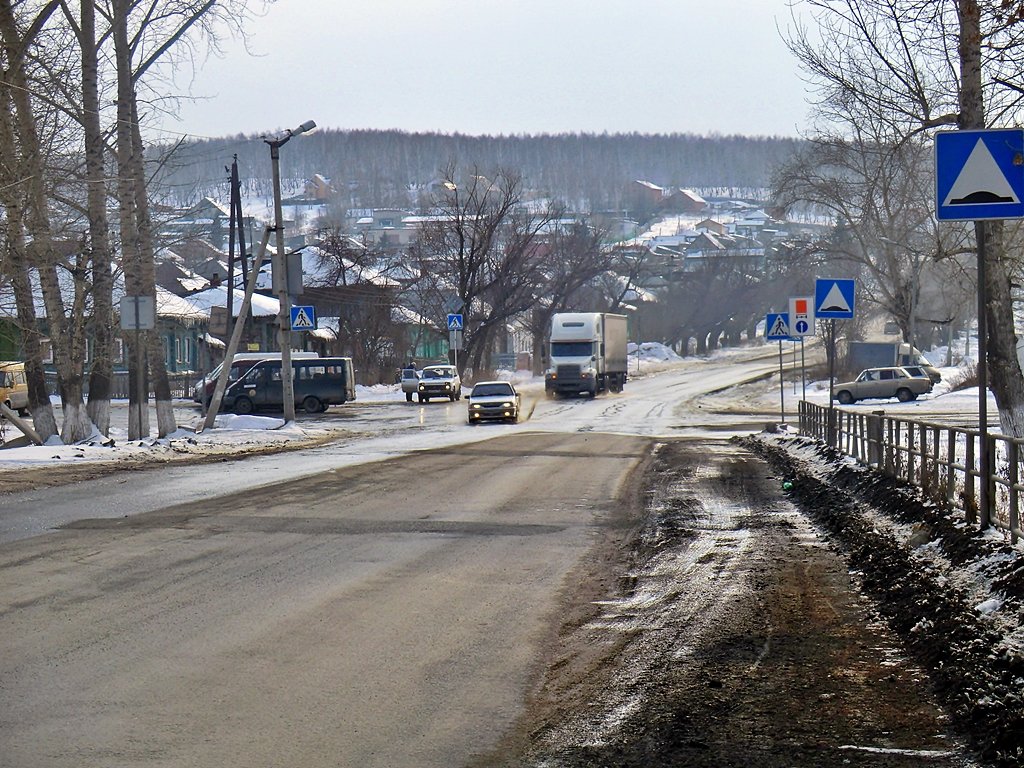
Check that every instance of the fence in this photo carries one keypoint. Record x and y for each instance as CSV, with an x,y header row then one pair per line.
x,y
181,385
942,460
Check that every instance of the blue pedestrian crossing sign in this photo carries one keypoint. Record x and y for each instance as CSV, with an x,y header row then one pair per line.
x,y
979,174
303,318
833,299
454,322
776,326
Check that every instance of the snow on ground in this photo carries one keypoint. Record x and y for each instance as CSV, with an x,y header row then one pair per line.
x,y
239,434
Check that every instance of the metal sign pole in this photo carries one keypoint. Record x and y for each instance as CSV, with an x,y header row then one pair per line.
x,y
984,455
782,388
803,371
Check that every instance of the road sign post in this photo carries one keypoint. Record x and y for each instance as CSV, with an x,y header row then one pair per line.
x,y
455,327
979,176
834,299
776,328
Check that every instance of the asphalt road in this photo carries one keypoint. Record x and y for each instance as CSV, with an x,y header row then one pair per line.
x,y
387,614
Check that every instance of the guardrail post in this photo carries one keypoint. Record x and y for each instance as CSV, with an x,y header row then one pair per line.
x,y
874,430
951,466
910,452
970,472
985,516
888,449
1013,476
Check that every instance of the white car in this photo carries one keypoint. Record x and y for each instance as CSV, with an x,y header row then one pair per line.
x,y
493,400
439,381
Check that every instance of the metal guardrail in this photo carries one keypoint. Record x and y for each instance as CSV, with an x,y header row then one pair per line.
x,y
942,460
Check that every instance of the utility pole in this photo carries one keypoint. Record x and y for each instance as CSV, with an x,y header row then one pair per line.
x,y
281,274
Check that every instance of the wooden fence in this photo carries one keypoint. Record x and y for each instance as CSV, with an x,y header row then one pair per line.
x,y
943,461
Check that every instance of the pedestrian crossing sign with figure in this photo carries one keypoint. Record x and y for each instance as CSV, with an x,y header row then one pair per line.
x,y
777,326
303,318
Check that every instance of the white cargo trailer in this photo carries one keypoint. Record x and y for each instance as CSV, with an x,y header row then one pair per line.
x,y
587,354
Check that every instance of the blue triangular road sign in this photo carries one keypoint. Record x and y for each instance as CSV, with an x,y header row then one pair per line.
x,y
979,174
834,299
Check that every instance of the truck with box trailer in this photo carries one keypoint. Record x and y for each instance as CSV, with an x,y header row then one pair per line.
x,y
586,354
882,354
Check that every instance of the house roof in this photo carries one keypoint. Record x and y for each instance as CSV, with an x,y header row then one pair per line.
x,y
262,306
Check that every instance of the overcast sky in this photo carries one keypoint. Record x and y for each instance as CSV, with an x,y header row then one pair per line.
x,y
504,67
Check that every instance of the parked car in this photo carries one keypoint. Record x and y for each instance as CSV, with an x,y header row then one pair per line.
x,y
14,386
410,381
876,383
917,371
493,400
439,381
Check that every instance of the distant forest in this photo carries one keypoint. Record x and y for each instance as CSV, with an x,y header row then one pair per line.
x,y
590,172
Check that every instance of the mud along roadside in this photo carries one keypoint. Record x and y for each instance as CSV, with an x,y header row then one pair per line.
x,y
734,636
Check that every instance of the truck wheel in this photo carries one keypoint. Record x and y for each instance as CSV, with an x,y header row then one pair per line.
x,y
904,395
243,406
844,397
408,397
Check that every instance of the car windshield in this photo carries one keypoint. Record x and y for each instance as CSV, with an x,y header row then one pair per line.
x,y
488,390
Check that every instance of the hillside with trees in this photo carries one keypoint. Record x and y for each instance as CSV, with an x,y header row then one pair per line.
x,y
384,168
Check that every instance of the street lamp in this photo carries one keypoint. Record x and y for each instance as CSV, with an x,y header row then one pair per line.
x,y
280,271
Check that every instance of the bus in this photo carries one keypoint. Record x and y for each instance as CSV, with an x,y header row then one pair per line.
x,y
319,382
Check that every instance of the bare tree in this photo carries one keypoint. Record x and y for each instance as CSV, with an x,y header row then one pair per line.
x,y
908,67
575,256
481,255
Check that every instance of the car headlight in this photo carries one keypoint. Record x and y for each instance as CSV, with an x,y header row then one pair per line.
x,y
475,406
506,405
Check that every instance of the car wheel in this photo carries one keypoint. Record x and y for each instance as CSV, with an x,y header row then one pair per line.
x,y
904,395
311,404
408,397
243,406
424,399
844,397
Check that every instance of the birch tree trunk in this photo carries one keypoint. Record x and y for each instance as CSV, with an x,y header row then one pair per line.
x,y
64,336
165,422
102,325
138,415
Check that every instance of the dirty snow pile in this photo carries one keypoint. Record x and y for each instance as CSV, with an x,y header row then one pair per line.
x,y
955,594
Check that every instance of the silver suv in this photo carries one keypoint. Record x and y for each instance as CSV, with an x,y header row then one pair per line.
x,y
882,383
439,381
